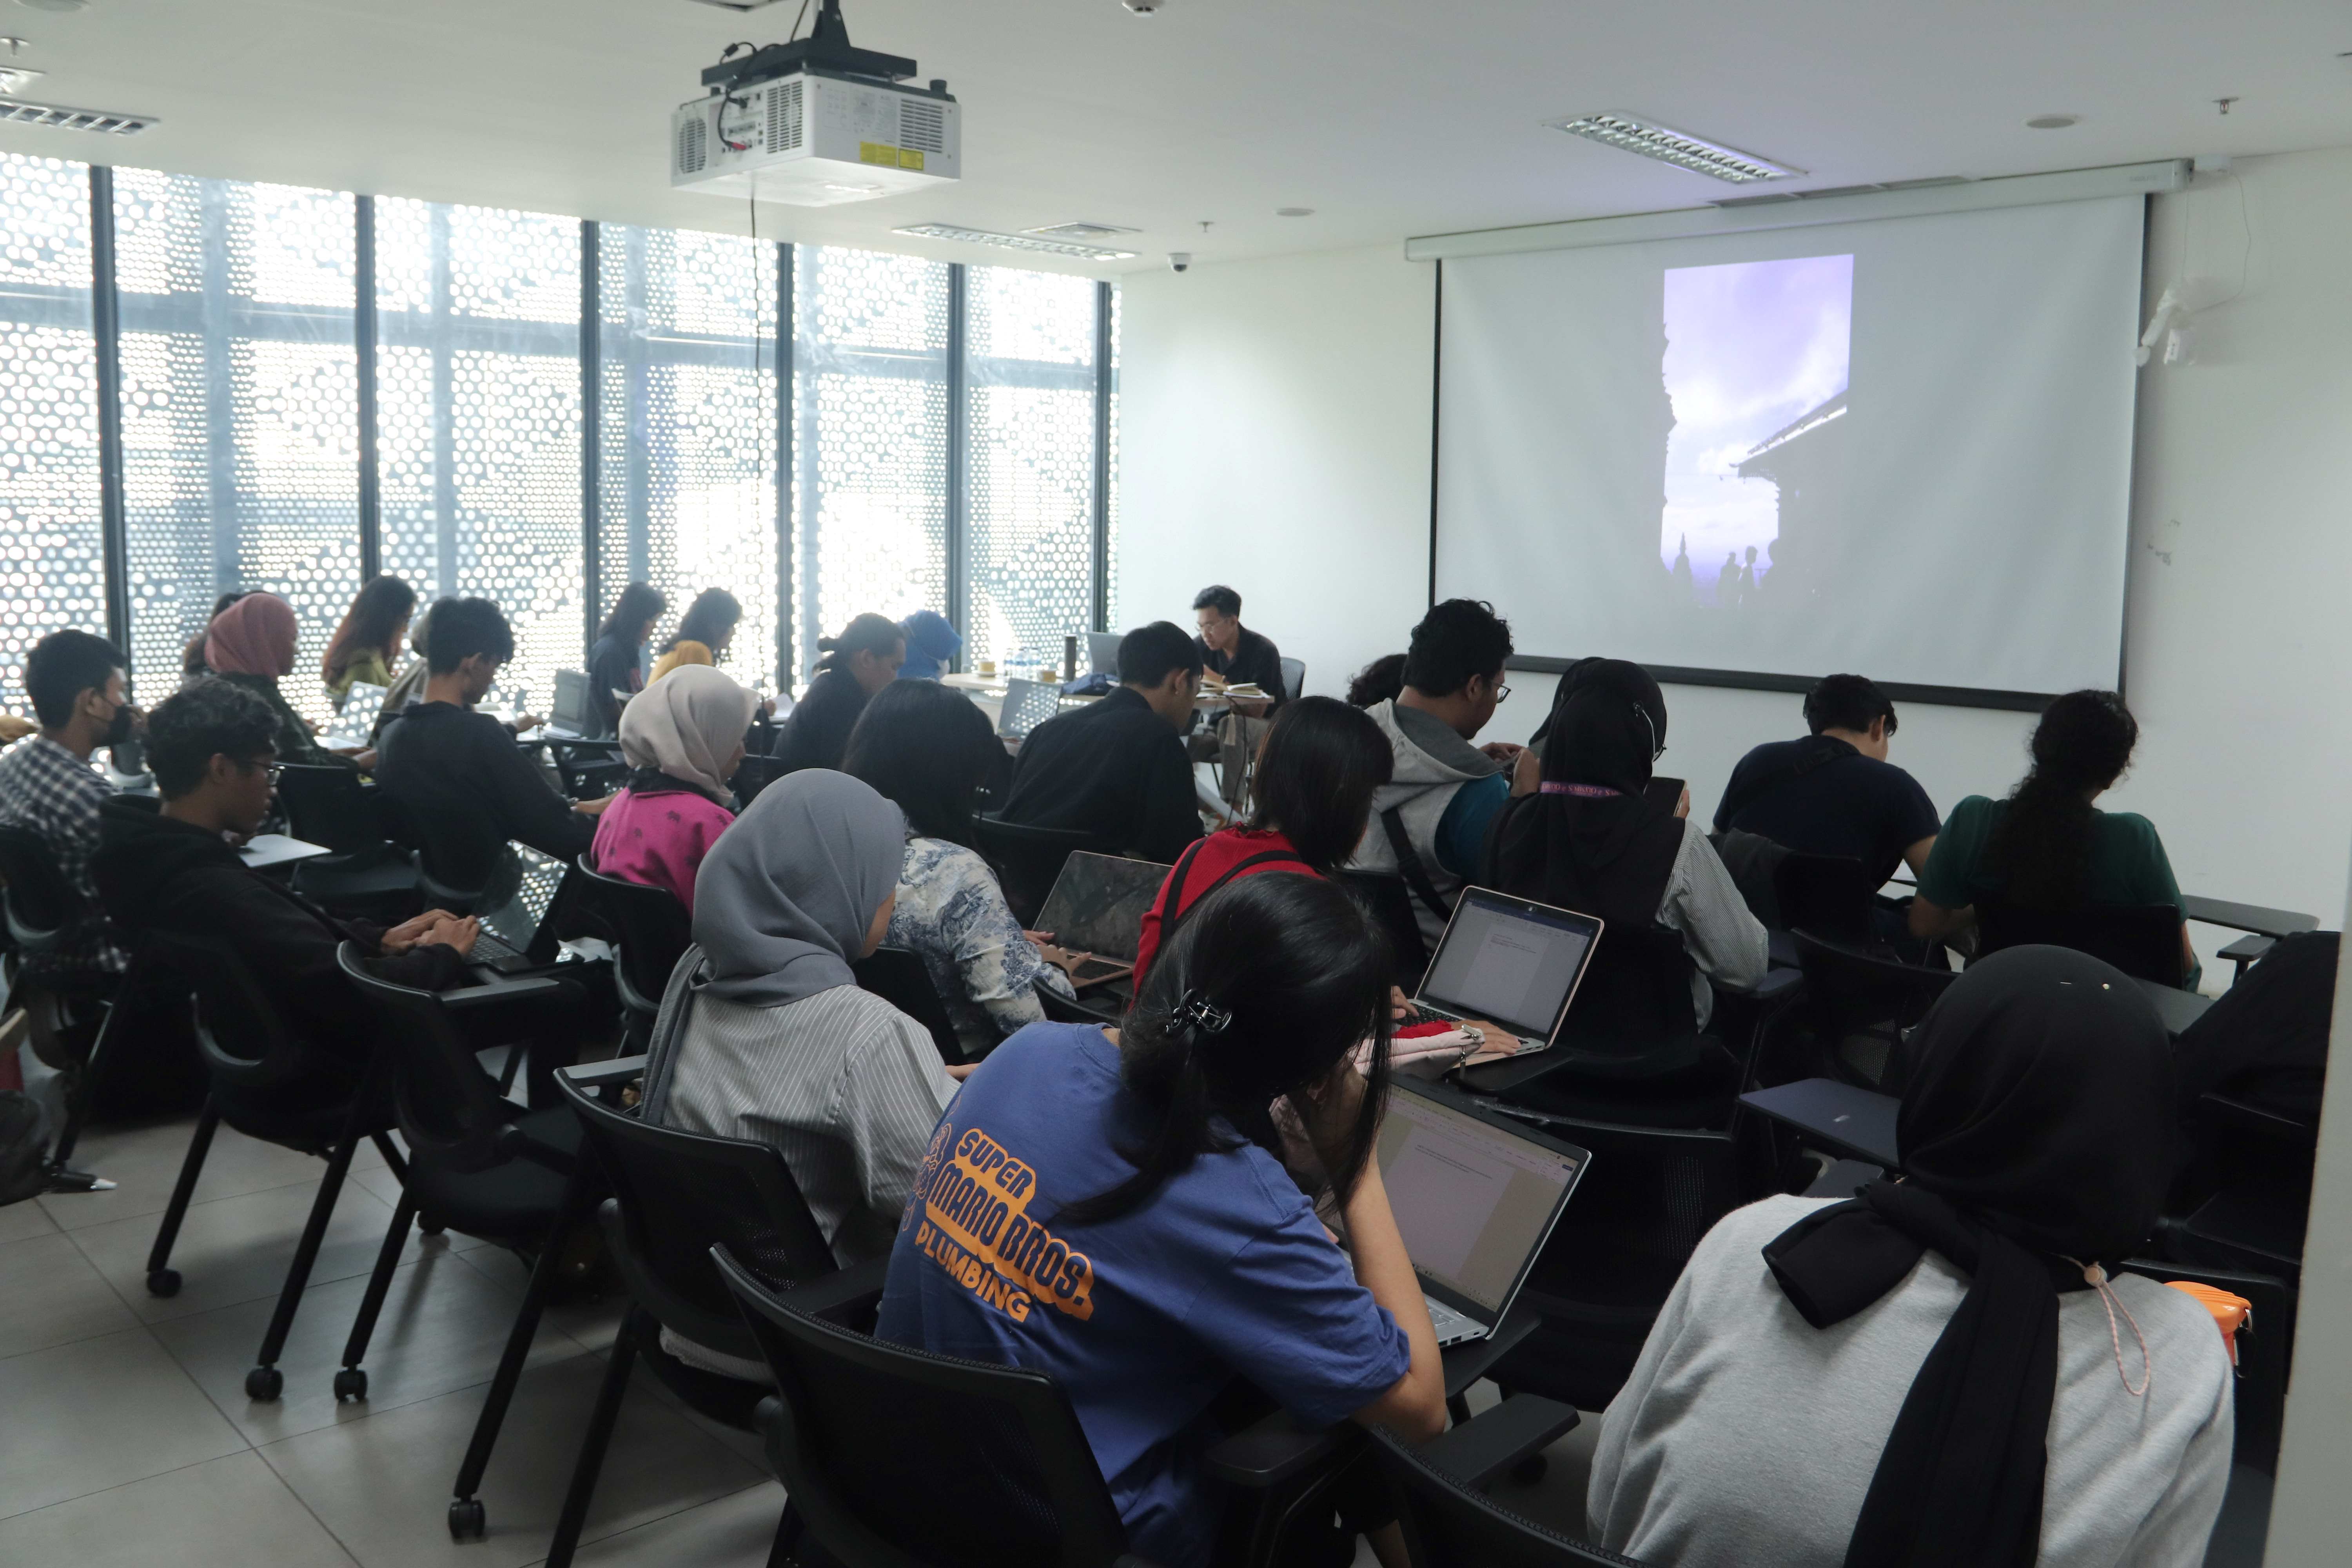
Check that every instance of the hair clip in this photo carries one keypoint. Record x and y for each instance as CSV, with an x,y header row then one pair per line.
x,y
1197,1014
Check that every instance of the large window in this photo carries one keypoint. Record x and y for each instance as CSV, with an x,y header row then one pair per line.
x,y
530,408
52,544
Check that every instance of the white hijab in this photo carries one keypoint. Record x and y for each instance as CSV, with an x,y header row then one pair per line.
x,y
687,725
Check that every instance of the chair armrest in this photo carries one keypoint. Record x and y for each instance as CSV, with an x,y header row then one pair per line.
x,y
848,1298
498,992
1776,985
1501,1437
1278,1449
1465,1363
601,1075
517,1144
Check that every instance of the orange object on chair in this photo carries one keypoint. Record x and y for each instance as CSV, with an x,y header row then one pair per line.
x,y
2231,1313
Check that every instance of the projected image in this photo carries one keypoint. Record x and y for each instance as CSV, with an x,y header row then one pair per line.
x,y
1756,365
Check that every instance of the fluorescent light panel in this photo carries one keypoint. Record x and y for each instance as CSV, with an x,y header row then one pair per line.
x,y
1679,148
1015,242
58,117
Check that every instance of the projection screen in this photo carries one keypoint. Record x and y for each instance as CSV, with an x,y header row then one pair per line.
x,y
1900,448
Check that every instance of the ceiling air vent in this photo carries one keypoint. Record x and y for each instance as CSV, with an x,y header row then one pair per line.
x,y
785,117
104,122
693,146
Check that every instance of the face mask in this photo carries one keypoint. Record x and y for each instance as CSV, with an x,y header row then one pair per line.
x,y
119,729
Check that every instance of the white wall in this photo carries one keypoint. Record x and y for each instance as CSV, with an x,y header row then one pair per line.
x,y
1274,430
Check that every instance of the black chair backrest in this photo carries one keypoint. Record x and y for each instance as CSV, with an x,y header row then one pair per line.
x,y
329,805
245,1040
587,767
652,927
1829,895
676,1195
459,859
897,977
1449,1524
1856,995
449,1109
1636,997
1027,859
2141,939
1389,901
40,902
2264,1345
1004,1471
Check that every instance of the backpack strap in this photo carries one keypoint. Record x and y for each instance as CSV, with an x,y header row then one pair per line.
x,y
1408,859
1167,923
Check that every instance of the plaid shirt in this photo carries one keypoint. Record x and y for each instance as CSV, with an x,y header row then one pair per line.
x,y
49,791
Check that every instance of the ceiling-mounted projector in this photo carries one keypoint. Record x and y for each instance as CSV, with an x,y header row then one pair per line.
x,y
817,123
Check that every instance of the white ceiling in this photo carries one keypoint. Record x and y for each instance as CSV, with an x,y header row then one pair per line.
x,y
1387,119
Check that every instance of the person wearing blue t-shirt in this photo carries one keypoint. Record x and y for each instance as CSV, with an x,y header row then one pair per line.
x,y
1113,1208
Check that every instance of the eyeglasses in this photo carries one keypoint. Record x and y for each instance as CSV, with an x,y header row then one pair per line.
x,y
1502,694
271,768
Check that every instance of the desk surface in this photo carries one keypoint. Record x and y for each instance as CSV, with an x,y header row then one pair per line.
x,y
1851,1121
2178,1008
2248,917
265,849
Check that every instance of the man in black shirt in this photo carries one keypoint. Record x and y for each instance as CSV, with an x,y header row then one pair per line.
x,y
1232,653
1116,768
1834,793
459,772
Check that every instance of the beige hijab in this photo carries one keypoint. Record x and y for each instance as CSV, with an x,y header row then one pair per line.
x,y
687,725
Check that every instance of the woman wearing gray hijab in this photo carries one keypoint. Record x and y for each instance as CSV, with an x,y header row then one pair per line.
x,y
764,1033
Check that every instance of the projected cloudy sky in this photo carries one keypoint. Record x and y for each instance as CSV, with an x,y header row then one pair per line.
x,y
1750,347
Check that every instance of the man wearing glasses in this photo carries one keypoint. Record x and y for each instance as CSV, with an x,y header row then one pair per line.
x,y
1429,823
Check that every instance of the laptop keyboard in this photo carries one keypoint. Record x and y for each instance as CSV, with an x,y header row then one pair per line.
x,y
491,949
1453,1328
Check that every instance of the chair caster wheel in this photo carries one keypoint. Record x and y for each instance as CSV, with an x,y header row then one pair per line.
x,y
431,1227
264,1383
468,1520
350,1383
164,1282
1529,1470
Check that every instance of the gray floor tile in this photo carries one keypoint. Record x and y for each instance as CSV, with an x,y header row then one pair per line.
x,y
143,1162
54,1296
592,1320
731,1533
386,1185
20,1220
227,1510
97,1413
237,1249
442,1328
381,1485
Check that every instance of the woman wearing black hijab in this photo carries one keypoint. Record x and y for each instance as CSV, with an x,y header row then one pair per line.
x,y
1939,1371
1587,834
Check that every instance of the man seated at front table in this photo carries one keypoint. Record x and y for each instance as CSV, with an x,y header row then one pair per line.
x,y
1116,768
441,760
49,788
1233,655
1834,793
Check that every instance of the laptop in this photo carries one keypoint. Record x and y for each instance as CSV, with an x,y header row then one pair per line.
x,y
1095,914
571,718
1475,1196
1102,652
1510,961
356,723
519,933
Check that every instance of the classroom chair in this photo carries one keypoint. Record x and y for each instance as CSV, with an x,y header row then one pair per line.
x,y
1293,679
1027,859
1829,895
269,1084
1027,704
366,875
651,932
897,974
1448,1520
2142,940
1389,901
1860,1007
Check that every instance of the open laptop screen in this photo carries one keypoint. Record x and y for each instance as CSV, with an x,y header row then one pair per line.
x,y
1098,901
1509,961
1473,1201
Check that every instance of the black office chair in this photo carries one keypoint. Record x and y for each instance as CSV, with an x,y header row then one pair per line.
x,y
271,1085
38,910
2265,1351
2142,940
477,1165
1861,1007
462,866
1293,679
652,931
1648,1196
1829,895
40,905
676,1195
1389,901
366,875
1447,1519
1028,859
896,975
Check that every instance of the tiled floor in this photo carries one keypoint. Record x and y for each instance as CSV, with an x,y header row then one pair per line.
x,y
126,1437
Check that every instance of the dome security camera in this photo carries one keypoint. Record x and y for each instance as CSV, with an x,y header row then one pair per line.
x,y
1179,260
1143,7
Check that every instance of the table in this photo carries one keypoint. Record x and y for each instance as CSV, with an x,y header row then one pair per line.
x,y
2271,924
1854,1122
267,849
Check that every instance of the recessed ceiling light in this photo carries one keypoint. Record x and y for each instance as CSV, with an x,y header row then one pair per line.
x,y
1015,242
2052,121
17,79
1294,212
1081,232
1679,148
58,117
53,4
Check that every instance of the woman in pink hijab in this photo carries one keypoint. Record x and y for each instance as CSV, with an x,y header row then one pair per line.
x,y
251,644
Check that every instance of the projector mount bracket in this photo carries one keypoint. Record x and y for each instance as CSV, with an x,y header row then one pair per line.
x,y
826,48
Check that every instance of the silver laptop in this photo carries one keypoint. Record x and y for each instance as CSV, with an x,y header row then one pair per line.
x,y
1510,961
571,718
1475,1196
1095,912
1102,652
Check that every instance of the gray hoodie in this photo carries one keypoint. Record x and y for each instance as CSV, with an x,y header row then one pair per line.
x,y
1431,763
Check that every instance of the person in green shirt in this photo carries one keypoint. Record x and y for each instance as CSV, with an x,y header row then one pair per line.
x,y
2047,846
367,644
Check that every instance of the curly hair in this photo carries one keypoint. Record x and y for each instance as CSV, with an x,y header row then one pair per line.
x,y
2041,846
206,719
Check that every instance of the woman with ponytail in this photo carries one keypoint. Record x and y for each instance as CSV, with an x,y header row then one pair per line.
x,y
856,664
2047,846
1113,1208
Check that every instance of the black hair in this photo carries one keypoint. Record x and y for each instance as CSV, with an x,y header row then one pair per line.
x,y
210,717
383,603
2042,846
1265,989
1382,680
1322,761
926,747
1457,641
639,603
460,628
709,620
63,665
1148,654
1847,702
868,633
1218,597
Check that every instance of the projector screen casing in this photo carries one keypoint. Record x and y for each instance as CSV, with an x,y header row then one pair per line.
x,y
1988,420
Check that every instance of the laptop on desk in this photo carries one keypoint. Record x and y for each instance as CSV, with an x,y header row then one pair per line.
x,y
571,718
1510,961
1475,1196
1095,912
519,933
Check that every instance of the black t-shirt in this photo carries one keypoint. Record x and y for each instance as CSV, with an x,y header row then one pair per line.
x,y
1846,804
1114,769
1253,661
